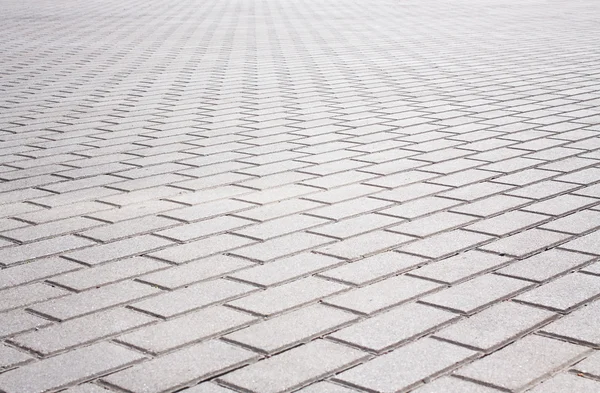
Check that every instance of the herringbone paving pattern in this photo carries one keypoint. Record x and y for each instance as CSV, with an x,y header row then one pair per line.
x,y
304,195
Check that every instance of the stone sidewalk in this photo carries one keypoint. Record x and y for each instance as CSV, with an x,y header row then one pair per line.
x,y
315,196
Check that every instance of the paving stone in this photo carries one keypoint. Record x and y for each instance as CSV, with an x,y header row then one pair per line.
x,y
420,207
190,328
117,250
507,223
80,331
546,265
206,210
28,294
589,243
108,273
576,223
86,388
195,271
374,268
50,229
16,254
410,192
343,193
365,245
590,366
295,368
80,304
281,246
474,295
449,384
181,368
326,387
535,357
18,321
491,205
496,326
397,371
524,243
290,149
543,189
10,357
562,204
281,226
355,226
136,226
133,211
190,298
278,209
444,244
476,191
286,269
69,368
285,331
34,271
207,387
567,382
393,328
578,327
564,293
460,267
196,230
432,224
594,268
383,294
200,248
275,300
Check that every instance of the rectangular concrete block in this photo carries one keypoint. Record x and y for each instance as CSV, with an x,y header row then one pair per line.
x,y
474,295
295,368
383,294
81,331
278,299
395,327
69,368
374,268
193,297
496,326
397,371
80,304
286,330
181,368
534,357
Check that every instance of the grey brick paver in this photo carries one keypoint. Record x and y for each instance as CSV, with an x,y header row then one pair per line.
x,y
392,328
536,357
383,294
190,328
97,299
261,176
79,331
287,330
473,295
189,298
292,369
275,300
183,367
71,367
397,371
496,326
567,382
564,293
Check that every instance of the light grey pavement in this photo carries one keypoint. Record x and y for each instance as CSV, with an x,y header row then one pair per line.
x,y
321,196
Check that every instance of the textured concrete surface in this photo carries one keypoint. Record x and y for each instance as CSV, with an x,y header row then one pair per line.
x,y
324,196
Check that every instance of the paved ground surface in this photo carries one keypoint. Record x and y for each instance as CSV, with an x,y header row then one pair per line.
x,y
303,195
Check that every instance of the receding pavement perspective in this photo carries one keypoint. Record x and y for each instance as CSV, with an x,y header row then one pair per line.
x,y
315,196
